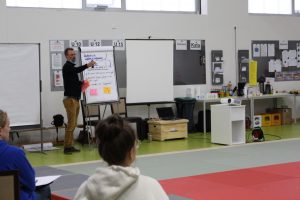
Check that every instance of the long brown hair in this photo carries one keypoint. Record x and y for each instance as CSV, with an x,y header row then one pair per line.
x,y
3,118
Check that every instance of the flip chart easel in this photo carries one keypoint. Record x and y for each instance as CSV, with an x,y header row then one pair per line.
x,y
102,78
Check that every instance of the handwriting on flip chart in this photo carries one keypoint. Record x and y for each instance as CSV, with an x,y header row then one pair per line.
x,y
102,75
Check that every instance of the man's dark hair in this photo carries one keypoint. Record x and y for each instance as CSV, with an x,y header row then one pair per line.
x,y
116,139
67,50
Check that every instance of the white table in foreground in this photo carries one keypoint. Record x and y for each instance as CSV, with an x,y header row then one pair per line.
x,y
228,124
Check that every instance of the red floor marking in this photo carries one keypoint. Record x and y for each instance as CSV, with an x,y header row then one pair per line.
x,y
274,182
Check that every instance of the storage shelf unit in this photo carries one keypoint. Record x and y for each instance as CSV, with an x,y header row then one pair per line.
x,y
228,124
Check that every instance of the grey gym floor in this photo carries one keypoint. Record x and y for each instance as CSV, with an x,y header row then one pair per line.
x,y
196,162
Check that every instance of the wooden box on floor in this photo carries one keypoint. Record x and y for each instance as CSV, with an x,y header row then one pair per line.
x,y
168,129
286,115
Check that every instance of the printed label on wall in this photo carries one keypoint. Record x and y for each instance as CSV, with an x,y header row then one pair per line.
x,y
119,45
181,44
56,60
75,44
94,43
58,79
195,44
283,44
57,45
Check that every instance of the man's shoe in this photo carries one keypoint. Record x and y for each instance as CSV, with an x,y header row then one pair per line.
x,y
67,151
70,150
73,149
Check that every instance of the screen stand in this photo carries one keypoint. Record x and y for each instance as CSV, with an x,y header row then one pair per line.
x,y
148,105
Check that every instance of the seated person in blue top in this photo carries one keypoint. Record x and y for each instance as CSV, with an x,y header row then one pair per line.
x,y
13,158
118,180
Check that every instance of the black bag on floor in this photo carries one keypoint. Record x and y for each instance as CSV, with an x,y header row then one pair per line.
x,y
144,131
58,120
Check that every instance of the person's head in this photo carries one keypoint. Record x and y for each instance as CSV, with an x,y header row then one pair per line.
x,y
4,126
70,54
117,141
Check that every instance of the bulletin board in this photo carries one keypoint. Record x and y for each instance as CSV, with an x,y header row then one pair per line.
x,y
217,67
57,58
189,60
243,62
277,59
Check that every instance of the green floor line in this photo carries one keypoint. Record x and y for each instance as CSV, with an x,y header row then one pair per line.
x,y
194,141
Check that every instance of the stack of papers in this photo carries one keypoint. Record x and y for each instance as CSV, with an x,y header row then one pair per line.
x,y
45,180
37,147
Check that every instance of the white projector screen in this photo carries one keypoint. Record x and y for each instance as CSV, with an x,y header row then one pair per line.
x,y
149,71
20,83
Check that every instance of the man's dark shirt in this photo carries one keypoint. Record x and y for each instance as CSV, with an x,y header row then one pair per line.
x,y
72,84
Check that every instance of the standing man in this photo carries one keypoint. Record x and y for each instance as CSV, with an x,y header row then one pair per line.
x,y
72,95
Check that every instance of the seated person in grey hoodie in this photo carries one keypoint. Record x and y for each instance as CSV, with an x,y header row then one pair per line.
x,y
118,180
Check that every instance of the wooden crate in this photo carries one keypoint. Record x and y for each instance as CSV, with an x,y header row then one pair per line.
x,y
286,115
168,129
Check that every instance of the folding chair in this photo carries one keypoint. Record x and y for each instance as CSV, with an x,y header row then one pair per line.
x,y
91,115
9,185
121,109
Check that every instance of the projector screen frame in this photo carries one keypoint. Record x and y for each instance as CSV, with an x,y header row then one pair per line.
x,y
21,128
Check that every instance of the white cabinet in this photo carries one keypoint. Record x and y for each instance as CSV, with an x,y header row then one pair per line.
x,y
228,124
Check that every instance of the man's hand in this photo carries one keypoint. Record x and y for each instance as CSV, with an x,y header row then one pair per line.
x,y
91,64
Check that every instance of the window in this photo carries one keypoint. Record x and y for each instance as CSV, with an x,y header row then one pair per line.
x,y
192,6
270,6
108,3
75,4
162,5
297,6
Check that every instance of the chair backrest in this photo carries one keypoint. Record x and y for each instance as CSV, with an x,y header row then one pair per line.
x,y
9,185
90,111
119,107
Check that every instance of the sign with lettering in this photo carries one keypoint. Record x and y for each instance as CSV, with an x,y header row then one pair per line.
x,y
195,44
94,43
119,45
75,44
102,77
181,44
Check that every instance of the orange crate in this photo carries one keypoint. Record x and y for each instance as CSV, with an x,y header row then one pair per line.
x,y
266,120
275,119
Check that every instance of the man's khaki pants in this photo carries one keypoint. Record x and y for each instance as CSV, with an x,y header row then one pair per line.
x,y
72,109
